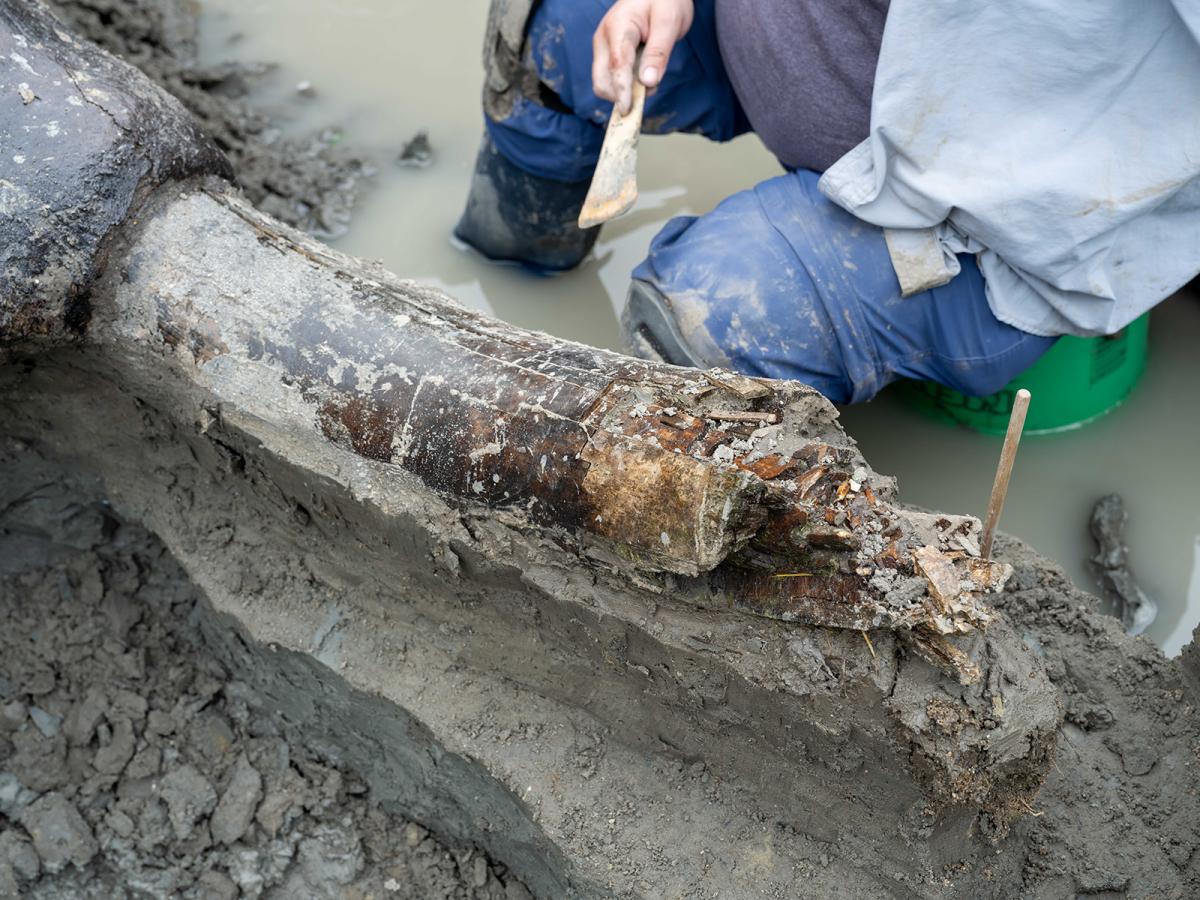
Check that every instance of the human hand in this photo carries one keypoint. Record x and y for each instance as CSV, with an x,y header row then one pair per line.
x,y
659,24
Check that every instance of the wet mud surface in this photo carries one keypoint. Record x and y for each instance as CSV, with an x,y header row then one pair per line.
x,y
134,762
310,183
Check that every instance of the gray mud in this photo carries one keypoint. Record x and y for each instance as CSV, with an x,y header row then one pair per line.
x,y
1119,815
139,755
134,761
309,183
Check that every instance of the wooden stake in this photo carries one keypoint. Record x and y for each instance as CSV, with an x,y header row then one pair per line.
x,y
1008,455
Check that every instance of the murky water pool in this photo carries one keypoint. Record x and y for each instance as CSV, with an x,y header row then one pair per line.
x,y
382,70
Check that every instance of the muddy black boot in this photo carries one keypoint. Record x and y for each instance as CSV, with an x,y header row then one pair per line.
x,y
514,216
651,328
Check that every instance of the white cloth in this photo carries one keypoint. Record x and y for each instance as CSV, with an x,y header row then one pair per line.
x,y
1060,141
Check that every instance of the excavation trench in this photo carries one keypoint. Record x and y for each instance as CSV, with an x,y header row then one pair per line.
x,y
331,490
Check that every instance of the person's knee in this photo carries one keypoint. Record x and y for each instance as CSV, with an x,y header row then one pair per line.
x,y
950,335
730,289
540,52
536,56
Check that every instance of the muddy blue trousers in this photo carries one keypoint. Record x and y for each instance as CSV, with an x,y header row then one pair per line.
x,y
777,280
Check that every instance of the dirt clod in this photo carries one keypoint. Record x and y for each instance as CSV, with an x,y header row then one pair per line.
x,y
60,835
167,778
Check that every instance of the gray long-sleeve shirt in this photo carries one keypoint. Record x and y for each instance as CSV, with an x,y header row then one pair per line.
x,y
803,71
1058,141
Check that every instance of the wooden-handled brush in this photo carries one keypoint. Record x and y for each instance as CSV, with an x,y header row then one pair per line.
x,y
614,184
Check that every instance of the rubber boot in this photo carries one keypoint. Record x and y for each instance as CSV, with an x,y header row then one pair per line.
x,y
651,330
517,217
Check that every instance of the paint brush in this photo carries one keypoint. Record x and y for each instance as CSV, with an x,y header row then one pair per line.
x,y
1008,455
614,184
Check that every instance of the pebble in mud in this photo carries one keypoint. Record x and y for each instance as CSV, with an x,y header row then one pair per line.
x,y
139,768
417,153
235,812
59,833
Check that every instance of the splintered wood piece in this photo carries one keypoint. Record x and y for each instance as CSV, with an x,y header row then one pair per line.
x,y
748,416
1008,455
944,579
614,184
739,385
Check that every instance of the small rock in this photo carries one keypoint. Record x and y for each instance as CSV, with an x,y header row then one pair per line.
x,y
273,811
12,716
38,761
160,723
145,763
27,95
211,734
8,883
112,757
479,875
60,835
514,890
39,683
723,453
47,723
418,152
122,612
84,716
414,834
91,586
214,885
235,812
306,89
14,796
331,856
189,796
120,823
153,828
19,853
128,705
968,542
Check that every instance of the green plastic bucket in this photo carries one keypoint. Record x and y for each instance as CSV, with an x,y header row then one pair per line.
x,y
1077,381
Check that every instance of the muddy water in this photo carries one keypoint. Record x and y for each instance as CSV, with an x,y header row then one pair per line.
x,y
382,70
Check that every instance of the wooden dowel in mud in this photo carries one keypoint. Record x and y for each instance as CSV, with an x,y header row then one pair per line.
x,y
1008,455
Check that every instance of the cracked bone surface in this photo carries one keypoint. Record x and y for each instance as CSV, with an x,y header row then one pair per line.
x,y
687,557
